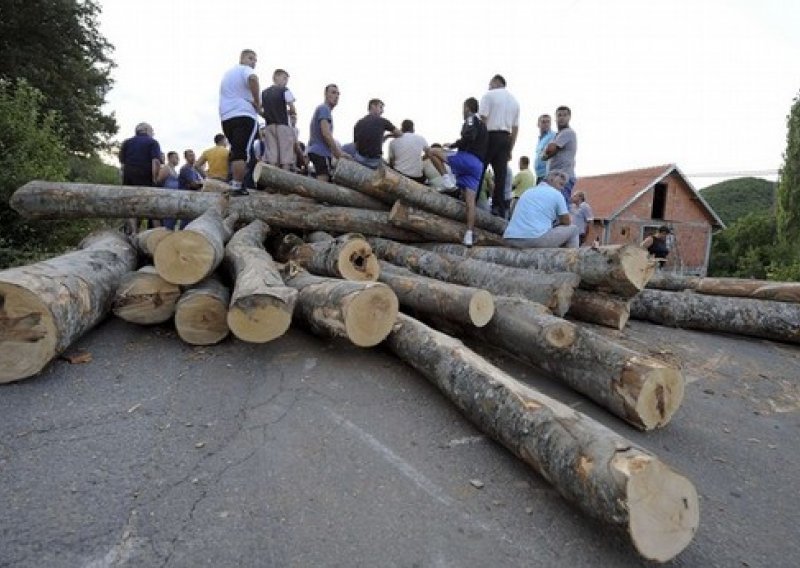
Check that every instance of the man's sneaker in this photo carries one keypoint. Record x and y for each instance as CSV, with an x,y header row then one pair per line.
x,y
448,182
239,192
469,240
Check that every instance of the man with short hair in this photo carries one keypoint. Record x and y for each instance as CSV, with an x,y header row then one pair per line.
x,y
405,153
140,160
499,110
561,151
523,181
368,135
581,213
277,102
546,135
322,147
189,177
541,218
239,107
218,159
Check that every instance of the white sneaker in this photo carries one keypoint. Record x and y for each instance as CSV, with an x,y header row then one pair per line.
x,y
469,240
448,181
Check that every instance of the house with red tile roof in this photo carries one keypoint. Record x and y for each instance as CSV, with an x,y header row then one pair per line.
x,y
628,206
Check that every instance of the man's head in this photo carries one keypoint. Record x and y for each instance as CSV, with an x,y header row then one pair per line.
x,y
407,125
280,77
578,197
143,128
663,231
544,123
524,162
219,139
375,106
172,158
331,95
557,178
248,57
497,82
563,114
189,156
470,107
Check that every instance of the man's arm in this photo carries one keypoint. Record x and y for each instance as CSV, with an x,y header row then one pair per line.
x,y
514,132
255,90
155,168
327,135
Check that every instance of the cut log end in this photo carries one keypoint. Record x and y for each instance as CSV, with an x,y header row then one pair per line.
x,y
356,262
259,318
636,266
660,397
201,320
145,299
184,258
664,510
28,333
370,316
481,308
560,335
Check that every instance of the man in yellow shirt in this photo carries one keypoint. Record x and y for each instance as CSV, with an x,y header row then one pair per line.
x,y
217,159
524,179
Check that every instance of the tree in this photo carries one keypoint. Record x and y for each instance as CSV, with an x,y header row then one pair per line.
x,y
789,185
56,46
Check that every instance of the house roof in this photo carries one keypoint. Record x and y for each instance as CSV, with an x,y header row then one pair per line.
x,y
610,194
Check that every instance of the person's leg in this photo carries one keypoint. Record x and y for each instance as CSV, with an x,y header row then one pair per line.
x,y
321,166
286,154
273,146
566,191
469,198
243,132
500,169
564,236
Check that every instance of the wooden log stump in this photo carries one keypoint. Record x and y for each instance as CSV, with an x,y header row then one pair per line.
x,y
436,228
201,314
553,290
363,312
743,316
733,287
347,256
605,475
597,307
46,306
143,297
147,241
261,305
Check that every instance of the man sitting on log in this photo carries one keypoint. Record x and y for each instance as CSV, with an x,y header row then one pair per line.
x,y
541,218
368,135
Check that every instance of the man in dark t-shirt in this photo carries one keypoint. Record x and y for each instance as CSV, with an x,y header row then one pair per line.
x,y
368,135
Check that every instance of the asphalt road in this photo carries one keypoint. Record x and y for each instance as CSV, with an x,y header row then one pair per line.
x,y
305,452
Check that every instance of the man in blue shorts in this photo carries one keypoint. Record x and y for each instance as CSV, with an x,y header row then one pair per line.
x,y
467,162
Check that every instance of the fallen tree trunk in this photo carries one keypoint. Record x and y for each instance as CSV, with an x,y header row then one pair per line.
x,y
733,287
147,241
261,304
620,269
313,188
46,306
436,228
143,297
350,173
744,316
605,475
363,312
202,311
348,256
188,256
469,306
552,290
600,308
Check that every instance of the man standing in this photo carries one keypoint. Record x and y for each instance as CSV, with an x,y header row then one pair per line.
x,y
217,158
561,151
189,177
322,147
278,104
368,135
546,136
140,158
405,153
239,107
581,213
499,111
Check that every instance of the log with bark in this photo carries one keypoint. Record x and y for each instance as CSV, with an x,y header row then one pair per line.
x,y
734,287
553,290
286,181
147,241
201,314
348,256
435,227
363,312
621,269
46,306
261,304
743,316
143,297
188,256
350,173
600,308
469,306
605,475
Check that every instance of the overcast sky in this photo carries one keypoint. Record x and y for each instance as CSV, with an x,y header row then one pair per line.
x,y
704,84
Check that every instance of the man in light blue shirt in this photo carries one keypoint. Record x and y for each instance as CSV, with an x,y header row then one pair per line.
x,y
546,136
541,218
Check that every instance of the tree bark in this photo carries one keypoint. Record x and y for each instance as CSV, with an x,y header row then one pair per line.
x,y
318,236
552,290
143,297
468,306
261,304
436,228
348,256
202,311
46,306
733,287
321,191
597,307
744,316
188,256
350,173
620,269
363,312
147,241
605,475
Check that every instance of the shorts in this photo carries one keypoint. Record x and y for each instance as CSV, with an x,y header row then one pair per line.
x,y
240,132
280,144
322,164
468,170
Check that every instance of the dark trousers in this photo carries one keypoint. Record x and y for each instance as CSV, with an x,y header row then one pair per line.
x,y
498,152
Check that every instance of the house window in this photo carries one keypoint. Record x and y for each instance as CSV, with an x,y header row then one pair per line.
x,y
659,201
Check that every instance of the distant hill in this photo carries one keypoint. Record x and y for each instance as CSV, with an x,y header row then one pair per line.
x,y
737,197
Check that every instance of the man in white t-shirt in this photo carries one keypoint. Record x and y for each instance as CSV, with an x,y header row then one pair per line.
x,y
239,107
405,153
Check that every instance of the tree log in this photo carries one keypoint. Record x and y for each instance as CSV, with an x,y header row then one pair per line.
x,y
597,307
348,256
363,312
202,311
188,256
261,304
744,316
620,269
436,228
147,241
350,173
318,236
469,306
605,475
313,188
46,306
665,280
552,290
734,287
145,298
